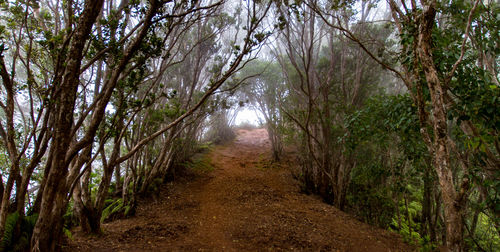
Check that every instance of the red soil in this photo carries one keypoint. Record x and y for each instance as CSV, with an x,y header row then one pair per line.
x,y
245,204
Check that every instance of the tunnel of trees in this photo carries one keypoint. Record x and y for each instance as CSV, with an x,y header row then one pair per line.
x,y
392,107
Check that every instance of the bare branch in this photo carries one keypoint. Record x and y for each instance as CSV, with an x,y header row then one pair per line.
x,y
462,52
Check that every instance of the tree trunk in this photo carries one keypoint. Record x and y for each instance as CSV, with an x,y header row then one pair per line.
x,y
159,163
426,205
452,208
9,137
275,140
54,194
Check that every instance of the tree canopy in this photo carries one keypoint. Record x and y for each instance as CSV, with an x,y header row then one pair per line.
x,y
391,108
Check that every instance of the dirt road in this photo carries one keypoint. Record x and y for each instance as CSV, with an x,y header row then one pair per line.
x,y
244,204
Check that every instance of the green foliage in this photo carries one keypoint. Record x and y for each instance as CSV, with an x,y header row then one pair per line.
x,y
476,95
392,158
115,209
386,117
154,186
18,231
8,237
110,209
200,162
409,234
68,233
486,235
409,213
127,211
368,199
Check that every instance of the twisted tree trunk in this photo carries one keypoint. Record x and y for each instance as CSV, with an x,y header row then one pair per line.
x,y
453,206
55,190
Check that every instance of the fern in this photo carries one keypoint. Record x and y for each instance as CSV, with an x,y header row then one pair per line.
x,y
18,240
8,235
117,208
127,209
68,233
108,202
111,209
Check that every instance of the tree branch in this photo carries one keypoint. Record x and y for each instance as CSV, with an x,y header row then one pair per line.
x,y
462,52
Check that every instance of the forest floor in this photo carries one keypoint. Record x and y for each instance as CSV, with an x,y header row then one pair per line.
x,y
242,202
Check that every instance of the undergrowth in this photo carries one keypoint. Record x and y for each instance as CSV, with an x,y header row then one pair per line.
x,y
18,232
115,209
200,162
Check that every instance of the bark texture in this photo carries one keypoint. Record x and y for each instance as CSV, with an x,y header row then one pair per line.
x,y
452,206
55,189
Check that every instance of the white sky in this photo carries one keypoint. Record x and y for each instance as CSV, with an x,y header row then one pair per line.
x,y
248,114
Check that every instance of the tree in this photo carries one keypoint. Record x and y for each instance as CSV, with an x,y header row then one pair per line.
x,y
327,78
263,89
95,63
431,56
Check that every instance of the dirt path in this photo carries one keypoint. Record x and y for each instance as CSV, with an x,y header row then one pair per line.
x,y
244,204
